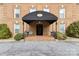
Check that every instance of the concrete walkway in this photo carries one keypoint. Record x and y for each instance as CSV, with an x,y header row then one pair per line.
x,y
39,48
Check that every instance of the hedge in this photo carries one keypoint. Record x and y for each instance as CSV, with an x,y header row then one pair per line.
x,y
73,30
5,32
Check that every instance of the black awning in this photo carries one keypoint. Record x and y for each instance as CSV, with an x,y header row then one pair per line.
x,y
39,15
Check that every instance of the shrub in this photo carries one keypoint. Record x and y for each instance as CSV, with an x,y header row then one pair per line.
x,y
18,36
73,30
4,32
60,36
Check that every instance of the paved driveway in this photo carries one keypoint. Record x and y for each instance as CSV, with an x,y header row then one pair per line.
x,y
39,48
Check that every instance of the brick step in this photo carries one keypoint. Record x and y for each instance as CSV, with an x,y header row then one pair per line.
x,y
39,38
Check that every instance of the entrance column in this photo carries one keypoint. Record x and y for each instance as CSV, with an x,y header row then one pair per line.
x,y
56,29
23,31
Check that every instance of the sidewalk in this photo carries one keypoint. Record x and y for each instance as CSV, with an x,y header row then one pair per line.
x,y
7,40
72,39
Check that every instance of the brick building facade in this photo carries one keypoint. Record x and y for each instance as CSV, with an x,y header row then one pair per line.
x,y
12,13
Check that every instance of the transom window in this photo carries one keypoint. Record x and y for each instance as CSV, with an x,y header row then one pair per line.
x,y
39,15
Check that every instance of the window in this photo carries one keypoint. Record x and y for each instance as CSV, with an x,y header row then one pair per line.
x,y
46,8
62,13
16,28
16,12
32,9
62,27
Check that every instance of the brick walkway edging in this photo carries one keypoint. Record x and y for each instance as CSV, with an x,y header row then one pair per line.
x,y
68,39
